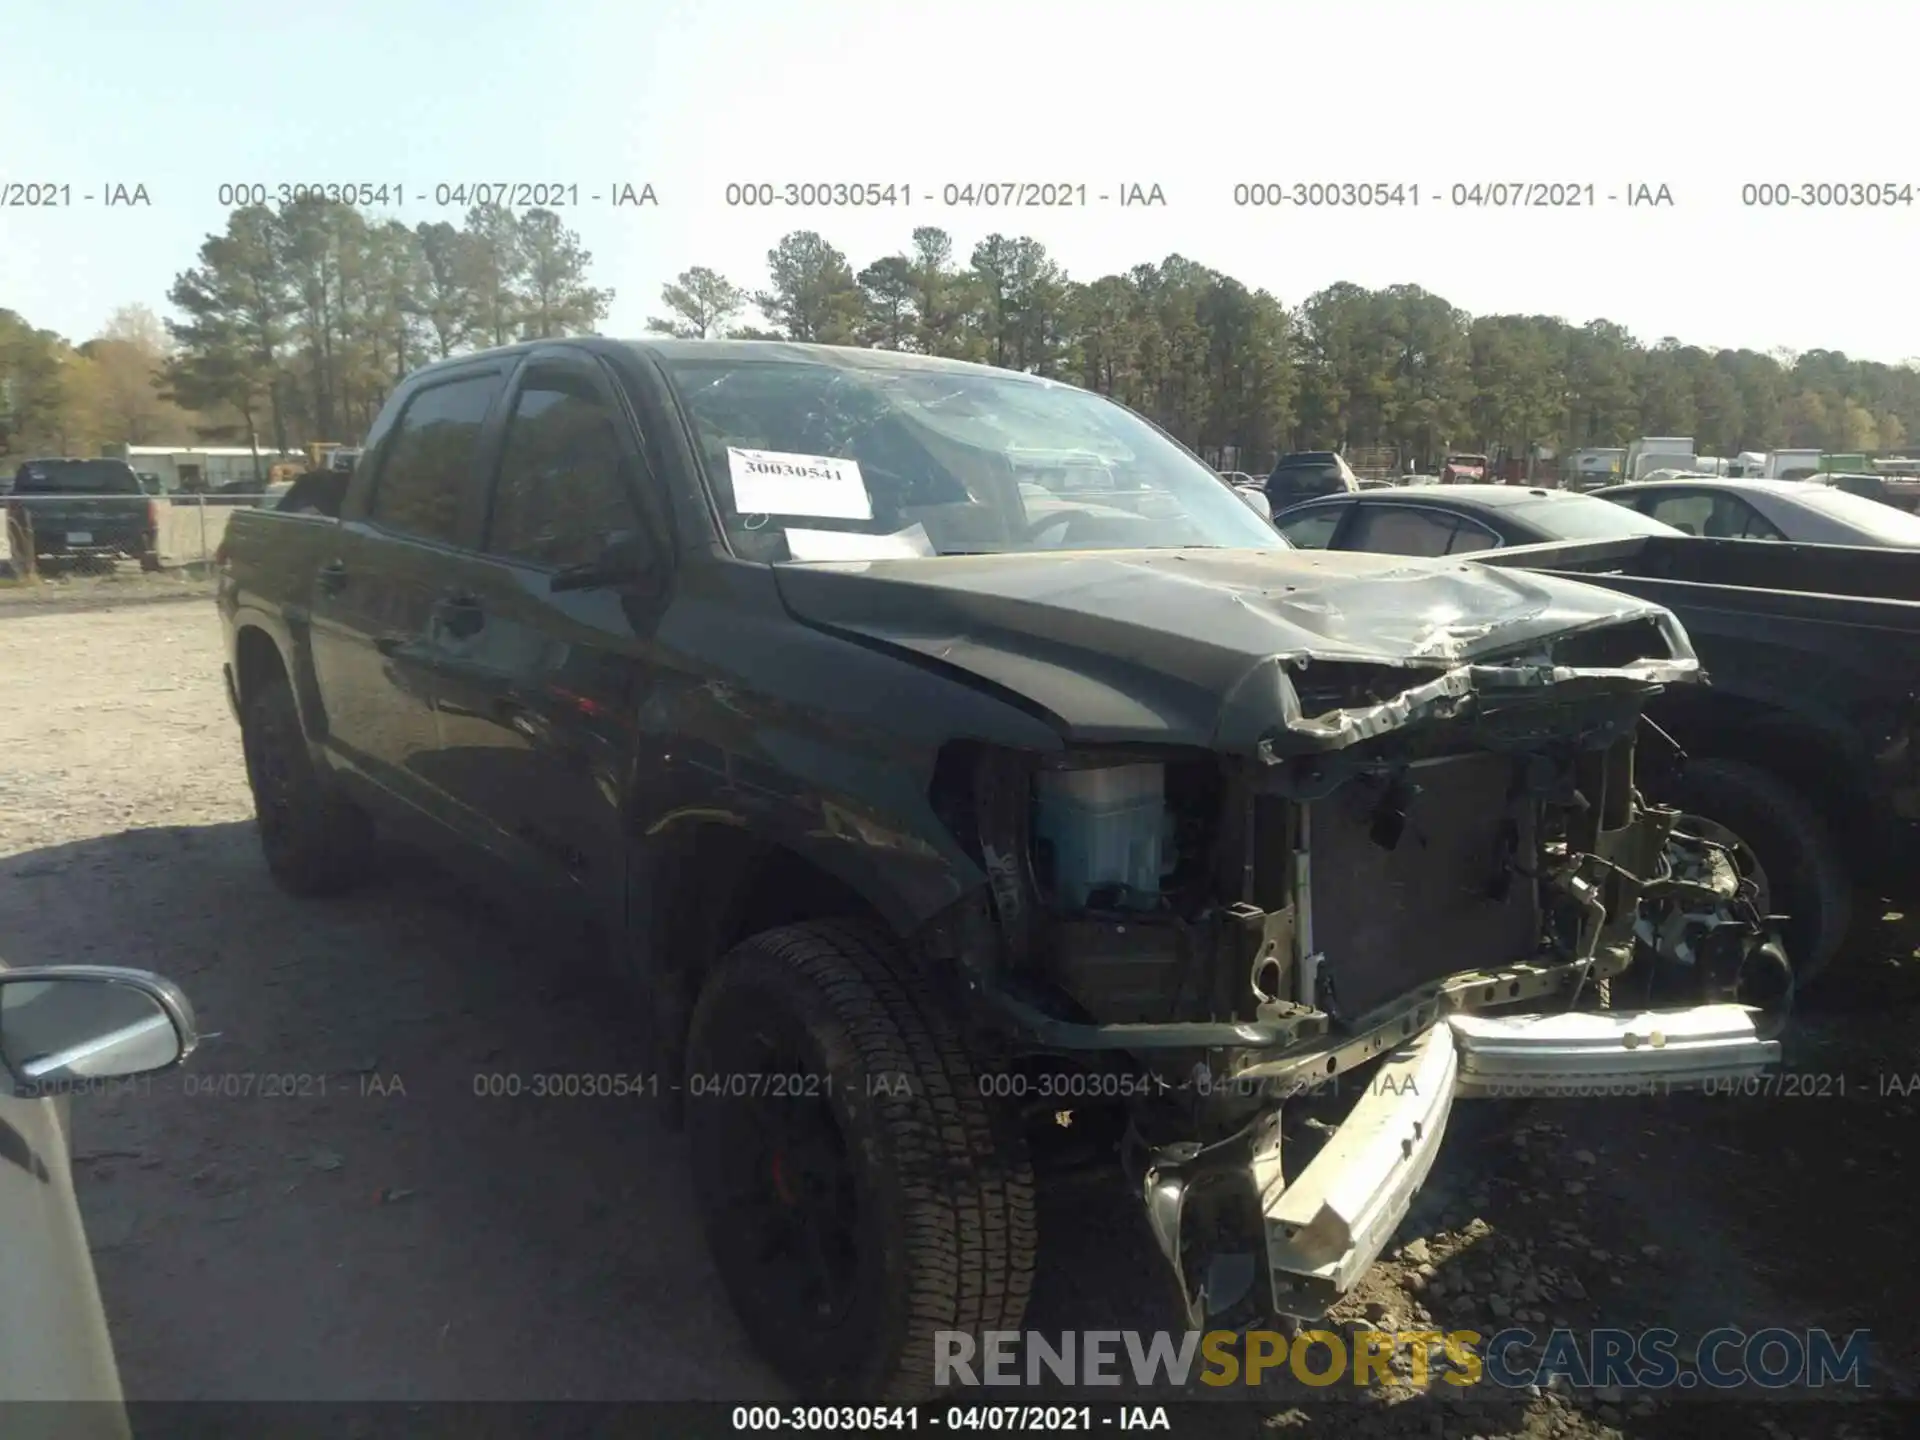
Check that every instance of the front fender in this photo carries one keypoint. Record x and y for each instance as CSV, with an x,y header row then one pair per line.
x,y
815,743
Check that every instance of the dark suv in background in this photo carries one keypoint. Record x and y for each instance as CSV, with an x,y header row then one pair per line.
x,y
85,508
1308,475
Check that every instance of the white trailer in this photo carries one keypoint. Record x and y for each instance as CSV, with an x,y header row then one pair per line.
x,y
197,469
1659,452
1793,464
1594,467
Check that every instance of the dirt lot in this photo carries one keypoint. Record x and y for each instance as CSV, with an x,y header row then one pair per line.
x,y
321,1207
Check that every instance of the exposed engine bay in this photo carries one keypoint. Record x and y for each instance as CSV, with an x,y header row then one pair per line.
x,y
1283,967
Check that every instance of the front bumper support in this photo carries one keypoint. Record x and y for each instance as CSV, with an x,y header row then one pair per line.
x,y
1325,1227
1584,1052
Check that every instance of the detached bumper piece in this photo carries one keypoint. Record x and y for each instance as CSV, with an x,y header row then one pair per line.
x,y
1325,1228
1598,1053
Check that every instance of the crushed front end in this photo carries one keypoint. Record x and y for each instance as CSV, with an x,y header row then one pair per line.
x,y
1278,961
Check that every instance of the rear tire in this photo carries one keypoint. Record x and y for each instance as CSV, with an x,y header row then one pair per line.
x,y
1805,872
315,842
910,1209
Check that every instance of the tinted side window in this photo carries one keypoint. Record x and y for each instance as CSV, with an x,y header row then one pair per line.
x,y
1468,537
1313,529
1717,517
564,477
427,469
1740,521
1401,530
1688,512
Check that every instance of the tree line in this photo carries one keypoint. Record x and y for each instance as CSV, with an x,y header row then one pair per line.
x,y
296,321
1233,370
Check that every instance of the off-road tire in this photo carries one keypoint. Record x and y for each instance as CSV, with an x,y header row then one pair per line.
x,y
1806,873
315,842
943,1181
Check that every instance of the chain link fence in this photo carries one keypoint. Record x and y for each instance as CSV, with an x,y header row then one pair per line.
x,y
1375,462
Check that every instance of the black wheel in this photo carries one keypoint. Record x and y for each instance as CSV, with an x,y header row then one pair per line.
x,y
149,558
860,1195
1780,834
316,843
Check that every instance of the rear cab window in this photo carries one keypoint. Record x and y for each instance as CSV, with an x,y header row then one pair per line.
x,y
76,477
1307,480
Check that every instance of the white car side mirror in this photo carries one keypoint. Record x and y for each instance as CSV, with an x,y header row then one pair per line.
x,y
64,1024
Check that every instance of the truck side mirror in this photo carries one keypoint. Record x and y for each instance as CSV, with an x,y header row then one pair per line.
x,y
626,556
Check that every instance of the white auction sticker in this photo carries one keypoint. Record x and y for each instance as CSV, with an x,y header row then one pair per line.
x,y
910,543
772,482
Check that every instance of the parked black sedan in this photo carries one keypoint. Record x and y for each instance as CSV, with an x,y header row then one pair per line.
x,y
1457,519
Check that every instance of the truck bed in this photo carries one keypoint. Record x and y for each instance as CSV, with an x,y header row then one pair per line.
x,y
1812,655
1830,570
1851,614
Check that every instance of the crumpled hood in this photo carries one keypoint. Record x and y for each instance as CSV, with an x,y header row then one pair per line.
x,y
1202,647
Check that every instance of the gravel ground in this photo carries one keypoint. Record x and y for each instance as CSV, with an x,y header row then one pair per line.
x,y
321,1207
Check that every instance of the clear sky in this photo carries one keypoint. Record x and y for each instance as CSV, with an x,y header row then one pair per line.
x,y
689,95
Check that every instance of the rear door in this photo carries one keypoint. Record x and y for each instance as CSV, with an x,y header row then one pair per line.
x,y
538,692
381,586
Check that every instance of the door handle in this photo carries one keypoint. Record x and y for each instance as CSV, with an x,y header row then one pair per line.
x,y
332,577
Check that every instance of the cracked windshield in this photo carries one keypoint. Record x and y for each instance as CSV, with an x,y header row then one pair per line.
x,y
811,461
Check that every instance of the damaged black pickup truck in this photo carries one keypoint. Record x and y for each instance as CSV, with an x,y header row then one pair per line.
x,y
944,751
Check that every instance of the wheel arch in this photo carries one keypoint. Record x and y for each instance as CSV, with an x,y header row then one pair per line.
x,y
256,660
1827,768
261,649
701,885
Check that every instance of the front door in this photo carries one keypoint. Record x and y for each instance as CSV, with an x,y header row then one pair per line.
x,y
379,588
538,692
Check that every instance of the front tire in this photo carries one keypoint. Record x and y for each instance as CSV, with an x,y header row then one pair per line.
x,y
860,1194
1806,874
315,842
